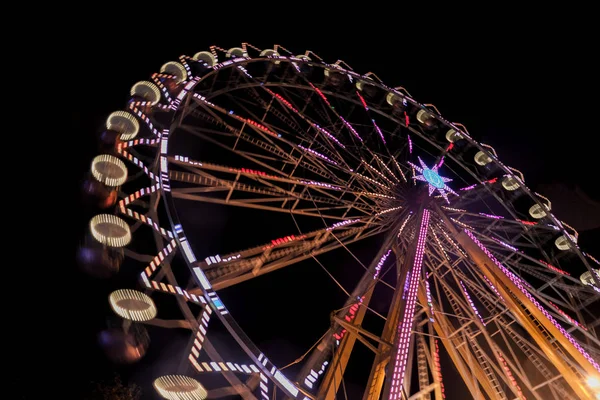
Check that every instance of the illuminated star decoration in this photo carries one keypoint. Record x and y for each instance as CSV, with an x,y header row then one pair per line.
x,y
433,179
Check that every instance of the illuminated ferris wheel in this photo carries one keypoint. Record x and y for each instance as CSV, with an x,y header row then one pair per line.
x,y
307,158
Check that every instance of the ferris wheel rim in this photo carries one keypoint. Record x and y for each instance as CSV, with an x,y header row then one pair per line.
x,y
430,110
203,281
180,238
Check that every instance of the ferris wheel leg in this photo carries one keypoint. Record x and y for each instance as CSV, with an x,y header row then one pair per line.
x,y
335,371
397,309
471,372
549,338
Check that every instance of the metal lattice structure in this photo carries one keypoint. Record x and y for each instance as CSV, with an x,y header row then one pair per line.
x,y
479,268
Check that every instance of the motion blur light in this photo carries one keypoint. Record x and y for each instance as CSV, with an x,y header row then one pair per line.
x,y
594,383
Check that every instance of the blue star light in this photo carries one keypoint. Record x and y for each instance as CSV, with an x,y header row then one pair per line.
x,y
433,179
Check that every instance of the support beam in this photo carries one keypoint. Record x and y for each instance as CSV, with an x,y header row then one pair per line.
x,y
470,372
400,320
531,318
335,371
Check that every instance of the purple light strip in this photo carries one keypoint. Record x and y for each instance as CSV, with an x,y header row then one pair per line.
x,y
429,302
491,216
342,223
508,246
440,163
329,135
405,326
378,131
493,288
471,303
517,281
350,128
409,144
316,153
380,264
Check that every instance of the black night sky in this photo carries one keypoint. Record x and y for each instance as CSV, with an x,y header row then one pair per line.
x,y
522,87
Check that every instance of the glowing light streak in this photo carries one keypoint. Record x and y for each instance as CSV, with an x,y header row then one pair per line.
x,y
553,268
491,216
409,144
158,259
530,223
364,103
380,264
283,240
329,135
342,223
183,60
437,239
460,210
404,224
449,239
121,150
488,182
405,326
316,153
491,285
399,169
567,317
387,211
510,376
372,180
162,88
438,368
350,128
321,95
429,301
261,127
440,163
385,167
462,224
468,297
378,131
362,100
216,259
508,246
590,257
385,178
320,184
368,194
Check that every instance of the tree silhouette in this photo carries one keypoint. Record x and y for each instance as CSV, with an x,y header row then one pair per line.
x,y
115,389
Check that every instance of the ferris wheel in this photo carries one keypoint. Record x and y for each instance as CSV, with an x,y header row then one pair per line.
x,y
309,158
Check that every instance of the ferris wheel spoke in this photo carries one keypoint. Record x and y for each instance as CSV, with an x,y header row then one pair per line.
x,y
504,326
332,353
315,161
500,315
505,358
295,161
256,158
232,193
545,272
331,144
233,268
470,335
